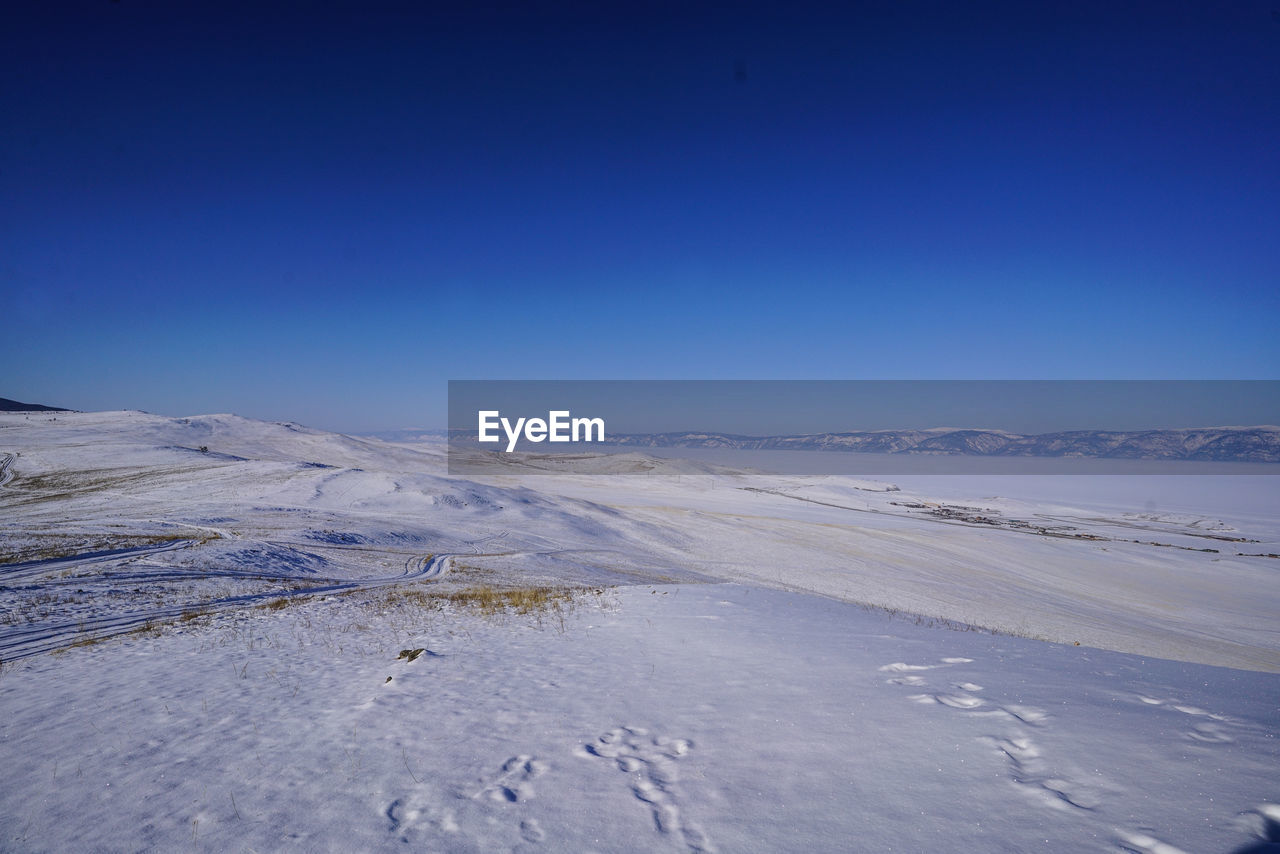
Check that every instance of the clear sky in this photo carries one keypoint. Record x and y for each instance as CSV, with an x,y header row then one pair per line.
x,y
323,211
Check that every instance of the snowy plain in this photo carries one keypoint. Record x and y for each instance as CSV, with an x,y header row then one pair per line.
x,y
202,620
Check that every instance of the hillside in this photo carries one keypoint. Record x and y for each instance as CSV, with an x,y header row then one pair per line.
x,y
7,405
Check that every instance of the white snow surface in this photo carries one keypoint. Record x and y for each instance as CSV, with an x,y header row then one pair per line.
x,y
200,651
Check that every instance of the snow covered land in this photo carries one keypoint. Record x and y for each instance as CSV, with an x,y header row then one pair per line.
x,y
224,634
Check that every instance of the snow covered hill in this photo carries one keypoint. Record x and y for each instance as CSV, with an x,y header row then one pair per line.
x,y
7,405
224,634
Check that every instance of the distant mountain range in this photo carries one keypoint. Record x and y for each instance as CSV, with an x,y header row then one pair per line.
x,y
7,405
1218,444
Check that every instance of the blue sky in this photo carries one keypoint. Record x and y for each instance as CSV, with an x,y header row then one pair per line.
x,y
322,212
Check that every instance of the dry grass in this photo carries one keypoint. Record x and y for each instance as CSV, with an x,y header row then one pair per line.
x,y
932,622
149,629
398,596
525,600
82,641
193,614
490,600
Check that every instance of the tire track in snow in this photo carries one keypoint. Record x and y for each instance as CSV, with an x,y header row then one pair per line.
x,y
42,637
12,572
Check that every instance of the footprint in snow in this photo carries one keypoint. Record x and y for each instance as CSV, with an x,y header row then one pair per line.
x,y
965,702
903,667
650,763
1026,766
515,782
1026,714
1179,706
530,830
1209,732
955,701
1142,843
1028,769
963,698
415,815
1263,823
